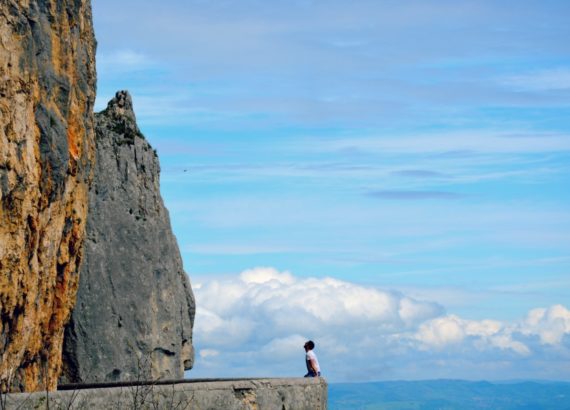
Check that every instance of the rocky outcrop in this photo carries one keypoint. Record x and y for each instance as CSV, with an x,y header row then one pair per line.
x,y
135,309
47,91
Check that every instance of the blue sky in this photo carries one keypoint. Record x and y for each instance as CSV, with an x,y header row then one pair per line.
x,y
416,150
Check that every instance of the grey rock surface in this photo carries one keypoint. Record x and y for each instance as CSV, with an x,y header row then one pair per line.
x,y
135,309
253,394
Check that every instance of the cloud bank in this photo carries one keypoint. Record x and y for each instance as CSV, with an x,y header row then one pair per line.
x,y
255,324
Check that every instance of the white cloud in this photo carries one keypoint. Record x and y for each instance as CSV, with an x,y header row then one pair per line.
x,y
123,61
204,353
506,342
283,347
550,325
441,332
266,276
455,143
543,80
233,248
256,323
316,303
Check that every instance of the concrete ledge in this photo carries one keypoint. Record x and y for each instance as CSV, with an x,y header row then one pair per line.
x,y
229,394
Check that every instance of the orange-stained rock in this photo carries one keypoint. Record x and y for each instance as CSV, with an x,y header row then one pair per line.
x,y
47,92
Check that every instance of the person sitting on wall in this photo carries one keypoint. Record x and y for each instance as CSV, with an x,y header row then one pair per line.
x,y
313,368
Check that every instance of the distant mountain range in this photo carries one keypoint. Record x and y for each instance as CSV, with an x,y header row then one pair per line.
x,y
449,395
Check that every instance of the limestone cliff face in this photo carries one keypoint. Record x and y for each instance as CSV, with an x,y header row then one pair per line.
x,y
47,91
135,309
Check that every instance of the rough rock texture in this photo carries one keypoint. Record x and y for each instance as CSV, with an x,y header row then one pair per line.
x,y
256,394
135,309
47,91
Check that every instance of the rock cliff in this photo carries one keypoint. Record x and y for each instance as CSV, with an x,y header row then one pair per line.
x,y
135,309
47,91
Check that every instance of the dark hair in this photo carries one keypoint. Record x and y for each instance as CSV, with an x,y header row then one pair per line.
x,y
310,344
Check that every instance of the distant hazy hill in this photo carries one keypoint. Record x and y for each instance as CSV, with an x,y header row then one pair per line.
x,y
448,395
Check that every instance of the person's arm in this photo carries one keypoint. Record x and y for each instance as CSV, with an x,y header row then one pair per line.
x,y
313,365
312,362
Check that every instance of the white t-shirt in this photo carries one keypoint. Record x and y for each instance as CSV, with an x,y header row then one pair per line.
x,y
312,356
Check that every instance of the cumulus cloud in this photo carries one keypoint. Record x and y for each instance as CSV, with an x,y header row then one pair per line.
x,y
550,325
265,303
442,332
256,324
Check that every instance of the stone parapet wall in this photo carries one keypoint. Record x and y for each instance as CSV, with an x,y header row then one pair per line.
x,y
234,394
